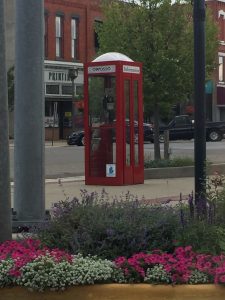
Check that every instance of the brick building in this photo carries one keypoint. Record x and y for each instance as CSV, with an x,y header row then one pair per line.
x,y
70,41
218,84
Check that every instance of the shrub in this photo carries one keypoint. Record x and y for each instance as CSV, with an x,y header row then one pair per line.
x,y
198,277
5,267
182,266
204,237
90,270
109,228
39,269
54,271
203,225
177,265
164,163
94,225
157,275
45,272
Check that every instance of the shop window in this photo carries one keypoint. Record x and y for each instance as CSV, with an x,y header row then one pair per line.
x,y
59,36
74,38
52,89
67,90
48,109
51,114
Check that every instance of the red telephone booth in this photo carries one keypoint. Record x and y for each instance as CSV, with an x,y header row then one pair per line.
x,y
113,121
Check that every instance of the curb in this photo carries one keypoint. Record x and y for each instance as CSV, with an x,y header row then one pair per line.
x,y
153,173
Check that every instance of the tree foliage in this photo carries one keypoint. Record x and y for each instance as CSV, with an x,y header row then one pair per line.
x,y
158,33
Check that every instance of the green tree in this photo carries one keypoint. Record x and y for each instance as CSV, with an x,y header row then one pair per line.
x,y
158,33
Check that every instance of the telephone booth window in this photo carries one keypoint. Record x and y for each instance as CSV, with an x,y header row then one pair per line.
x,y
102,108
102,100
136,124
127,118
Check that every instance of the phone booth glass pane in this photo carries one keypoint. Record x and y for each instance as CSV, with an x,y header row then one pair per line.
x,y
136,123
127,119
102,112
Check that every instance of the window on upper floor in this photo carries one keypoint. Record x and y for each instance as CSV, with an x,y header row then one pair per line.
x,y
221,68
74,38
96,40
46,35
59,36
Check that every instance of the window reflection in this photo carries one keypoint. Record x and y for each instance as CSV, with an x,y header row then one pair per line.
x,y
102,108
103,150
136,126
127,121
102,100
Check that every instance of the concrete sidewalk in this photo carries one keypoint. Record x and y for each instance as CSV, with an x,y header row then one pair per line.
x,y
156,190
153,190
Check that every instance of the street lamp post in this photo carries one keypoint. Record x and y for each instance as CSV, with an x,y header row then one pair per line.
x,y
199,97
73,74
5,197
29,167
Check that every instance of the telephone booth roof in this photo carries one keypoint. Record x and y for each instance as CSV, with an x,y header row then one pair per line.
x,y
113,62
112,56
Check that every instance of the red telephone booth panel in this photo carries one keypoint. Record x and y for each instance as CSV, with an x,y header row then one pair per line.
x,y
113,121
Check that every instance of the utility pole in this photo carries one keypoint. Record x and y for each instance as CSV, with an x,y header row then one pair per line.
x,y
199,98
5,202
29,192
73,73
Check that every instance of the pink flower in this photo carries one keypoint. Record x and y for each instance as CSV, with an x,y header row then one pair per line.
x,y
25,251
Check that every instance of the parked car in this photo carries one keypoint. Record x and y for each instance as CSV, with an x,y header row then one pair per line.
x,y
182,128
77,137
147,130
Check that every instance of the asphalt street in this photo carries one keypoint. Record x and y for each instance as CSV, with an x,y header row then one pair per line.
x,y
67,163
62,160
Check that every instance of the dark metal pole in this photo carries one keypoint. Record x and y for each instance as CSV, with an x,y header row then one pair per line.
x,y
199,98
73,108
5,198
73,73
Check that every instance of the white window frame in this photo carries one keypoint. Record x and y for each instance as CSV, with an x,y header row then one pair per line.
x,y
58,36
74,24
221,66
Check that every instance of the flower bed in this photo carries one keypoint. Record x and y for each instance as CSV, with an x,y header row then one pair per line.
x,y
28,265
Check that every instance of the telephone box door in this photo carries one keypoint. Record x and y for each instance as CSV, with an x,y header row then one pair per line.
x,y
133,169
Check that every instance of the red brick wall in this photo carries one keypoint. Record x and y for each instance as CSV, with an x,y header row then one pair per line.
x,y
221,95
87,11
215,7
